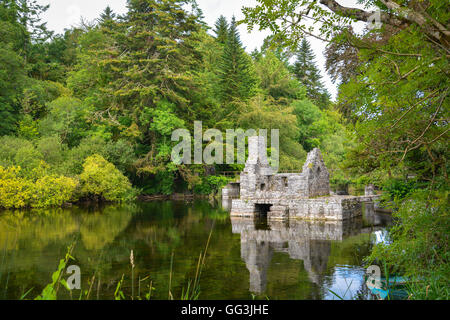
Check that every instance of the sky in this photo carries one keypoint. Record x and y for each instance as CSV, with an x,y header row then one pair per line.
x,y
65,13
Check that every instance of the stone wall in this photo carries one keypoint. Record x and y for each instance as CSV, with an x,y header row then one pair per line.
x,y
327,208
315,175
231,191
303,195
258,180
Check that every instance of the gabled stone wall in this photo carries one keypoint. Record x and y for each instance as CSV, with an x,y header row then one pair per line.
x,y
304,195
258,180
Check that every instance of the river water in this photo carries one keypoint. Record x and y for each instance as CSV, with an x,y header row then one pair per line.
x,y
245,259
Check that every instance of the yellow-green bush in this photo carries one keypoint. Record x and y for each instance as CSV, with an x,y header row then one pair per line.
x,y
50,191
101,179
15,192
47,191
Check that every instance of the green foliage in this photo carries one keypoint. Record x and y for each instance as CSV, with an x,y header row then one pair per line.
x,y
211,185
306,71
260,113
100,179
67,118
162,182
12,80
419,244
38,94
45,191
28,128
162,119
120,153
238,79
276,80
396,189
15,192
221,30
27,157
53,191
52,150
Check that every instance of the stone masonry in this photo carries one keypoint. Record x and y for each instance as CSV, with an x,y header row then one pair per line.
x,y
288,195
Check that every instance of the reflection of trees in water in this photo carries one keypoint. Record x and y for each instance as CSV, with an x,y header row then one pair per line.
x,y
101,228
35,241
36,228
293,260
32,242
320,245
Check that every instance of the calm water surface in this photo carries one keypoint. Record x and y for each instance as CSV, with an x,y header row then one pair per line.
x,y
246,258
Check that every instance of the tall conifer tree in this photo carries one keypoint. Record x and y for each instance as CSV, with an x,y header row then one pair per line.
x,y
221,29
306,71
238,79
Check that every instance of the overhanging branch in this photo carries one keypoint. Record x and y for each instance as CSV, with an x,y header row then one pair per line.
x,y
403,17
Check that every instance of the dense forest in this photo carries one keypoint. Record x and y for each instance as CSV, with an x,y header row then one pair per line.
x,y
88,114
113,91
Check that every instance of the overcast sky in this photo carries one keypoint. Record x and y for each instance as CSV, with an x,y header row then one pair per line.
x,y
65,13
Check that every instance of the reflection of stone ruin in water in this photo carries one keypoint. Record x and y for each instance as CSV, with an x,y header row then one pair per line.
x,y
288,195
302,240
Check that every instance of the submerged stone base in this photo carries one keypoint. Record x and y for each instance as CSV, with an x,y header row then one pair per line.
x,y
323,208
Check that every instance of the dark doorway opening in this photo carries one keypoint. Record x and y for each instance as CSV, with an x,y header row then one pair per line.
x,y
262,208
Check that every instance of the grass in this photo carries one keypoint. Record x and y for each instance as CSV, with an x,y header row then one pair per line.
x,y
190,292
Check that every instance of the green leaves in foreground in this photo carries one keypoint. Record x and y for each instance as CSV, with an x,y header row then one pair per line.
x,y
51,290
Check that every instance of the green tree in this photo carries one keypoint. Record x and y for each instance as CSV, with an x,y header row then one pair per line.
x,y
221,30
306,71
106,16
101,180
142,77
12,82
238,80
399,91
276,80
68,118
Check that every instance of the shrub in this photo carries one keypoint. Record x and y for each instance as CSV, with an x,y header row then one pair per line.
x,y
211,185
51,191
28,158
419,245
120,153
101,179
9,147
52,150
77,155
15,192
398,188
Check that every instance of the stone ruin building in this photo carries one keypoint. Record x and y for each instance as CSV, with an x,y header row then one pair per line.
x,y
288,195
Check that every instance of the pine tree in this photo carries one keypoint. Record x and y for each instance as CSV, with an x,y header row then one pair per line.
x,y
30,18
282,53
21,34
306,71
142,73
106,16
221,30
238,79
155,49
